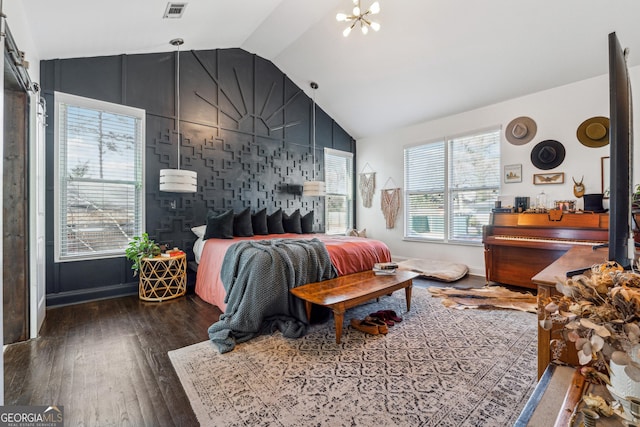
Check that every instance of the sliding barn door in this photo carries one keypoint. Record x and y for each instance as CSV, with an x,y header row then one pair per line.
x,y
18,90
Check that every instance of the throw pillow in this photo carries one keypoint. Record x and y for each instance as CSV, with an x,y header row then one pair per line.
x,y
242,224
199,230
219,226
291,223
306,223
357,233
259,222
274,222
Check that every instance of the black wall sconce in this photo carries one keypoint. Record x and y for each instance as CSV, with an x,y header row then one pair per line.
x,y
294,189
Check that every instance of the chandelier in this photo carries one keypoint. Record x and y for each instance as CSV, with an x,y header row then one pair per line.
x,y
358,16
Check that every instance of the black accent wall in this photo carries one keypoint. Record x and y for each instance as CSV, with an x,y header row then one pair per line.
x,y
246,129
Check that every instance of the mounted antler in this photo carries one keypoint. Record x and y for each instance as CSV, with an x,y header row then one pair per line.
x,y
578,187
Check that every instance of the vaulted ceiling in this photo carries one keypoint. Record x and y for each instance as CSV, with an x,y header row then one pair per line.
x,y
430,59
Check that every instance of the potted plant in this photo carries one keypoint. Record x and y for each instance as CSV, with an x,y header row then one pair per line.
x,y
141,247
635,199
635,212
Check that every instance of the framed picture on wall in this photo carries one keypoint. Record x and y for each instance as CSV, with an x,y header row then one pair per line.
x,y
512,173
604,168
548,178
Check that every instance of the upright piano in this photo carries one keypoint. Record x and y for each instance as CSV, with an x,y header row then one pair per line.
x,y
517,246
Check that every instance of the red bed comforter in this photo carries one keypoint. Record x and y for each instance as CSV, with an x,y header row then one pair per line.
x,y
348,255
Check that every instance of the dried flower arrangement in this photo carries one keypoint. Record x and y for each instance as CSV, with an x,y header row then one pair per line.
x,y
600,313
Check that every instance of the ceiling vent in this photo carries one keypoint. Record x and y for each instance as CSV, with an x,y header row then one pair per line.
x,y
174,10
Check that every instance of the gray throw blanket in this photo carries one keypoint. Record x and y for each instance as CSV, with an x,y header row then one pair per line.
x,y
257,276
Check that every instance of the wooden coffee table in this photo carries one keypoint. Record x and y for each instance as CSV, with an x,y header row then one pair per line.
x,y
345,292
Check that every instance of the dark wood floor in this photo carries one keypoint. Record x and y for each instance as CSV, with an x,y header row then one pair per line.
x,y
106,362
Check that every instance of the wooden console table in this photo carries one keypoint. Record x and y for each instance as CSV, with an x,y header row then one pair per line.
x,y
575,258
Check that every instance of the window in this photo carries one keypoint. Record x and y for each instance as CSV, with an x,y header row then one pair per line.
x,y
451,185
99,189
338,205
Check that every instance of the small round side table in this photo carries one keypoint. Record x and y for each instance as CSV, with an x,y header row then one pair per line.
x,y
163,278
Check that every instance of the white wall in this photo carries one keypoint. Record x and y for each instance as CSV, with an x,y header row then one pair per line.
x,y
17,21
557,112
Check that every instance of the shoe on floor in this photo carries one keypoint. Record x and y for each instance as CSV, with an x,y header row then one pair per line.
x,y
382,327
391,315
383,317
364,326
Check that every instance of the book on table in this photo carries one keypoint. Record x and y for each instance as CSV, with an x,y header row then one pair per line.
x,y
385,266
384,271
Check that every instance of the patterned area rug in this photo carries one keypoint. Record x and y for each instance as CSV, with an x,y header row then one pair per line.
x,y
438,367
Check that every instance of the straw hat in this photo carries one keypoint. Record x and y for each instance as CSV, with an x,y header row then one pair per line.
x,y
520,130
594,132
547,154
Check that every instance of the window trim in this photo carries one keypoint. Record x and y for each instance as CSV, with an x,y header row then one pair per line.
x,y
447,190
350,196
89,103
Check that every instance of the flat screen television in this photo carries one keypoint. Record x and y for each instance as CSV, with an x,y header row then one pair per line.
x,y
621,244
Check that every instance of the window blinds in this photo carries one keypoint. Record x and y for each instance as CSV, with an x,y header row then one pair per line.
x,y
474,171
425,189
338,172
451,186
100,192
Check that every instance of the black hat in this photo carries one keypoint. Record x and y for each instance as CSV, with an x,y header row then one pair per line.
x,y
547,154
593,203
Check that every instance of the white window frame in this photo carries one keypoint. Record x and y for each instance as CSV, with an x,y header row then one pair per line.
x,y
348,193
448,192
64,99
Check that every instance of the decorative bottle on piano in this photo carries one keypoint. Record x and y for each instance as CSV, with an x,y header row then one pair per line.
x,y
541,202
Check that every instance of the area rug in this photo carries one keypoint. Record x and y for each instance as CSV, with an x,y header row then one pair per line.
x,y
486,297
438,367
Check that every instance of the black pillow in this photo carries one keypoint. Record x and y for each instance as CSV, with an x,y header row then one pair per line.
x,y
219,226
274,222
291,224
306,223
242,224
259,222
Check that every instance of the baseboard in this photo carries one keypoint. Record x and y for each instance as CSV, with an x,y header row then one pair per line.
x,y
86,295
105,292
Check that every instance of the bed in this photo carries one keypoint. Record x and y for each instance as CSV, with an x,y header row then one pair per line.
x,y
348,254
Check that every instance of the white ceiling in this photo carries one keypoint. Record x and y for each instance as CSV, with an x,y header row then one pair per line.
x,y
431,58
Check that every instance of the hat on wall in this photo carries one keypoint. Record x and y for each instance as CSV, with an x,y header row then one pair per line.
x,y
547,154
594,132
520,130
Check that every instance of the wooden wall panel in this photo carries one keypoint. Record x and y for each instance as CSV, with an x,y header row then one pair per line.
x,y
246,129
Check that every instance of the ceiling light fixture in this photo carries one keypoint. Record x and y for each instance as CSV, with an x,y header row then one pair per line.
x,y
313,188
178,180
359,16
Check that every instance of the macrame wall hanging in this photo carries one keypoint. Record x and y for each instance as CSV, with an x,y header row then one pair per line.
x,y
390,202
367,185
